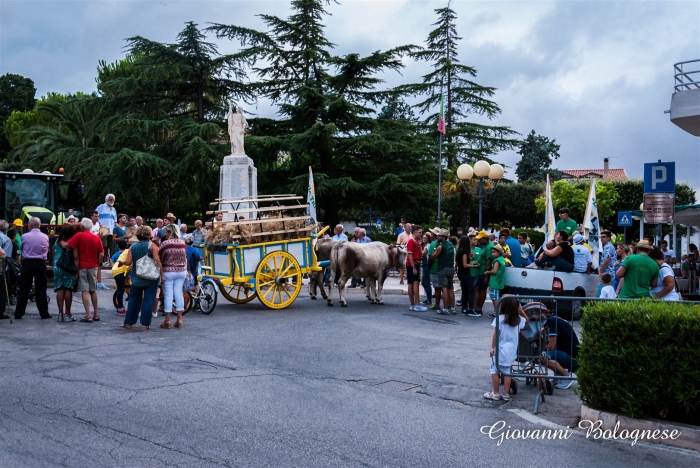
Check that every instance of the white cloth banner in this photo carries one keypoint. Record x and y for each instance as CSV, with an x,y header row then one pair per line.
x,y
311,197
591,226
549,221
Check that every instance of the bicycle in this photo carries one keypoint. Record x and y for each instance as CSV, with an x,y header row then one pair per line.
x,y
205,293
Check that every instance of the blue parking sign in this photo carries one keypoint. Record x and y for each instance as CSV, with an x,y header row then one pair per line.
x,y
624,219
660,177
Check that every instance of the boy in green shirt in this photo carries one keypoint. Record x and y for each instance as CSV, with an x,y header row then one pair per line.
x,y
566,223
484,261
497,274
640,273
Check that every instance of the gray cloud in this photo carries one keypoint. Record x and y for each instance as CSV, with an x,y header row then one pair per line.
x,y
596,76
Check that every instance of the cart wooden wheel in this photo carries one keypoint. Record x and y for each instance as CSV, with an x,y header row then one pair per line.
x,y
238,293
278,279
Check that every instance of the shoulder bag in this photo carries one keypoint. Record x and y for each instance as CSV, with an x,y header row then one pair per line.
x,y
65,261
146,268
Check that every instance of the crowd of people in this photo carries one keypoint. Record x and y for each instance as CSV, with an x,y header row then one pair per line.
x,y
152,260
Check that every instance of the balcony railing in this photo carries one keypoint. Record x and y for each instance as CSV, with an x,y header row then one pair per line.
x,y
687,75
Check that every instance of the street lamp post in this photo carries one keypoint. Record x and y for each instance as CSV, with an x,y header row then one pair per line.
x,y
482,170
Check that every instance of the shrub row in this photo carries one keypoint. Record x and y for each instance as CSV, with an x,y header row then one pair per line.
x,y
642,358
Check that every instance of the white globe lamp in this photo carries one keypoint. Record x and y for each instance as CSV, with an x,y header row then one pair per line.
x,y
496,172
465,172
481,169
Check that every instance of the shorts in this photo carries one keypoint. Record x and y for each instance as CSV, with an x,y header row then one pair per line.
x,y
480,282
495,294
505,370
445,278
434,280
412,277
108,244
87,279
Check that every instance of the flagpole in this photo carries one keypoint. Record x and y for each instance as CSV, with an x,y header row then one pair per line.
x,y
440,163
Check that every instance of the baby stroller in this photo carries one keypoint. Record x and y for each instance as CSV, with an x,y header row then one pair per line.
x,y
532,346
14,271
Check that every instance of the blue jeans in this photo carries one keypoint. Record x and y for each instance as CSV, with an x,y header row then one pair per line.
x,y
425,282
172,289
141,299
527,261
559,263
564,359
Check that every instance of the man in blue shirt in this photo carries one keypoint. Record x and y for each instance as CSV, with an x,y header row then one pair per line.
x,y
514,247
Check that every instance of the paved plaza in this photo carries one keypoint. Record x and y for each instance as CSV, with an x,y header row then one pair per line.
x,y
310,385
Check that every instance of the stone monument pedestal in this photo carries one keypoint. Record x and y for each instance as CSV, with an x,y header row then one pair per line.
x,y
238,179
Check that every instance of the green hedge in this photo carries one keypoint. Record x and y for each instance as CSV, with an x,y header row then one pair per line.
x,y
642,358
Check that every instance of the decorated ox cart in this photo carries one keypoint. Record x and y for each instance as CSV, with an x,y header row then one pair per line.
x,y
261,250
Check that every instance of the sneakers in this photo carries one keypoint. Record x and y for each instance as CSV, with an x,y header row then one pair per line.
x,y
121,311
465,312
493,396
435,308
411,308
459,302
426,302
444,312
453,310
155,314
420,308
474,313
101,286
492,315
564,384
533,266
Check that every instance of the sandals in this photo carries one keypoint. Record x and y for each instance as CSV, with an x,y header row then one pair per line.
x,y
505,397
86,320
178,324
96,318
126,325
165,325
68,318
493,396
60,318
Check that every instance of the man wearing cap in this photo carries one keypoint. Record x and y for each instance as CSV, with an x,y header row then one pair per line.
x,y
444,256
640,273
582,256
484,261
35,247
108,218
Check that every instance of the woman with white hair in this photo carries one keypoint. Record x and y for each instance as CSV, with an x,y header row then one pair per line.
x,y
173,256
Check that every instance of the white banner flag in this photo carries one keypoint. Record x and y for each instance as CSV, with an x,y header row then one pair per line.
x,y
549,221
591,226
311,197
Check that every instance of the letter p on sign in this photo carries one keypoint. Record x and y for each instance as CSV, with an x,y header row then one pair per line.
x,y
660,177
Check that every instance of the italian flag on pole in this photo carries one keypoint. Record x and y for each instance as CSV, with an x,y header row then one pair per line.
x,y
441,117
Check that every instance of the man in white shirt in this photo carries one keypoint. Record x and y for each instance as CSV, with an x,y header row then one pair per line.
x,y
338,233
108,217
582,256
95,229
669,255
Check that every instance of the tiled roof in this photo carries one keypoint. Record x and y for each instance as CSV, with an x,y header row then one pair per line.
x,y
613,174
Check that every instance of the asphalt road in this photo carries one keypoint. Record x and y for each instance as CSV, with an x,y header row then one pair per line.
x,y
246,386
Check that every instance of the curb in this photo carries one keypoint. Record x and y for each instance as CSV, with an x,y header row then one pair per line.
x,y
689,439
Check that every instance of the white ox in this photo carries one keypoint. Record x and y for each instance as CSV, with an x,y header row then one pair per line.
x,y
371,261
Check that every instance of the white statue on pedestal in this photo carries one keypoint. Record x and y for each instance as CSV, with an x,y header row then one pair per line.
x,y
236,129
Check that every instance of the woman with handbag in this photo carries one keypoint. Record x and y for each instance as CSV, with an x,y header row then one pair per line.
x,y
147,269
173,255
64,273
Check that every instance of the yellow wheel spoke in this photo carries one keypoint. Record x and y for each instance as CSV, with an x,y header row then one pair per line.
x,y
266,283
272,288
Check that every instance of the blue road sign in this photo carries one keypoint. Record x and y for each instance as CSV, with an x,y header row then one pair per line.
x,y
660,177
624,218
379,222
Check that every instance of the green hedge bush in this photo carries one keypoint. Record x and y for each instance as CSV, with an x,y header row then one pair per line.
x,y
642,358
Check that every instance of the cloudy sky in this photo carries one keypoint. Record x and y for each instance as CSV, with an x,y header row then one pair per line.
x,y
596,76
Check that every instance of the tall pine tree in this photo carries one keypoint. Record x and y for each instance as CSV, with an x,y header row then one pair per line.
x,y
326,105
465,141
